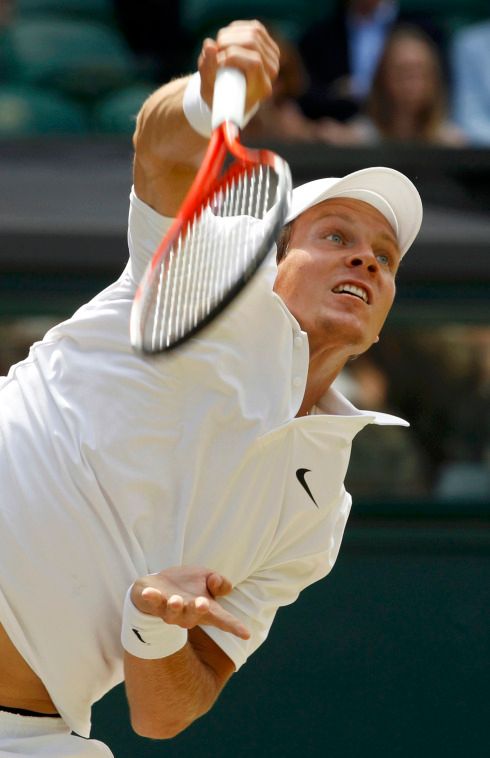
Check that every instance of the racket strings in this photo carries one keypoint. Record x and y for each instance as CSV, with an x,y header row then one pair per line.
x,y
213,253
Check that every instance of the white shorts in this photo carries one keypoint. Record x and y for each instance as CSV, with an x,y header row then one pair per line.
x,y
23,736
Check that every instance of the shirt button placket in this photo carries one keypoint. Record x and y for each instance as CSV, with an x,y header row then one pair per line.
x,y
298,379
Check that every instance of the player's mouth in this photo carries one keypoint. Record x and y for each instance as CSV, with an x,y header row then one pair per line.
x,y
347,288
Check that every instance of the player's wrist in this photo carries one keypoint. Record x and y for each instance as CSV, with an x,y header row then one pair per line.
x,y
147,636
198,113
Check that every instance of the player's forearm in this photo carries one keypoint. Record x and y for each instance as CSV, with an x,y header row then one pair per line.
x,y
166,695
167,150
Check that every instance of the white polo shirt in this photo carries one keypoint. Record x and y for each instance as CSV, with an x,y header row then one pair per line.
x,y
113,466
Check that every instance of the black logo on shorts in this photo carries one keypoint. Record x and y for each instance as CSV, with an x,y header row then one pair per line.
x,y
300,476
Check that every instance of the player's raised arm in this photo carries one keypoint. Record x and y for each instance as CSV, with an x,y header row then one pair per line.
x,y
168,149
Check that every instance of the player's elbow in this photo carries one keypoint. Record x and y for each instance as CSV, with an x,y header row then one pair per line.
x,y
163,723
158,728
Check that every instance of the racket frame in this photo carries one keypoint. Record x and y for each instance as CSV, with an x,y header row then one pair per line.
x,y
208,180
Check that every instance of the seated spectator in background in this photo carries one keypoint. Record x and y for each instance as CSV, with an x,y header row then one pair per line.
x,y
465,471
470,61
342,51
6,16
390,465
280,117
407,101
6,12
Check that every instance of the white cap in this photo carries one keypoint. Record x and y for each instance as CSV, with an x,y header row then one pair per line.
x,y
391,192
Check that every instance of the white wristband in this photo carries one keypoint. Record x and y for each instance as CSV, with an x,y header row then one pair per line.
x,y
147,636
197,112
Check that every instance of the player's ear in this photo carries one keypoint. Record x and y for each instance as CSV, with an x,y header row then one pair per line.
x,y
376,340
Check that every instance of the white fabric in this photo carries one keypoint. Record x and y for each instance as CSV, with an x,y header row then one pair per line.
x,y
147,636
114,466
196,111
29,736
387,190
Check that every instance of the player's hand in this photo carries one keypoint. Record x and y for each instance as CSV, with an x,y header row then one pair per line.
x,y
245,45
185,596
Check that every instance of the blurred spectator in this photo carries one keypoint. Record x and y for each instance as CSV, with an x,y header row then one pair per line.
x,y
470,59
280,117
469,437
385,462
155,33
6,12
7,8
465,472
342,51
407,101
440,382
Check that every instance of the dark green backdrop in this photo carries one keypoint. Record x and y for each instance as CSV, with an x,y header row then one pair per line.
x,y
389,656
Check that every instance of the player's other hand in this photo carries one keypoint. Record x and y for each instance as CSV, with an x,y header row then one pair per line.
x,y
185,596
245,45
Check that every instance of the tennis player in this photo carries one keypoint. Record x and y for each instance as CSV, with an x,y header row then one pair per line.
x,y
156,512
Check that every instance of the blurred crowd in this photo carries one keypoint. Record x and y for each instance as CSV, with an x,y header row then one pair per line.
x,y
438,378
354,72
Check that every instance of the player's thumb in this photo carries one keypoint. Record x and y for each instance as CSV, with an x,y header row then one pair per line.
x,y
218,585
147,599
207,65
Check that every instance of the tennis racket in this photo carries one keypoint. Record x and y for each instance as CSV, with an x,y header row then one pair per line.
x,y
224,229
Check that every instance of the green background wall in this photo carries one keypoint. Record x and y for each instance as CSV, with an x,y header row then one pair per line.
x,y
389,656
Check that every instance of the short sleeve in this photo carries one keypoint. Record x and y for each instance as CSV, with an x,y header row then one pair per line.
x,y
146,228
256,600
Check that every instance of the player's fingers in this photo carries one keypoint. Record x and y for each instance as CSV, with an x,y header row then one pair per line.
x,y
218,585
201,605
186,613
251,34
259,83
244,45
268,54
257,70
175,611
175,604
207,65
221,619
208,48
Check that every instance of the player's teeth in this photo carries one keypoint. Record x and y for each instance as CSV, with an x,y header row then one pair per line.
x,y
353,290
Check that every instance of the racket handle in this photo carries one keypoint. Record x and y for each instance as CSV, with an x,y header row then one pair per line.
x,y
229,95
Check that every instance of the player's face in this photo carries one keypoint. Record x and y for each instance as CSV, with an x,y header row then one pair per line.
x,y
338,276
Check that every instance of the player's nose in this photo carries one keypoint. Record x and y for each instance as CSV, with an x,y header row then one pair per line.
x,y
363,257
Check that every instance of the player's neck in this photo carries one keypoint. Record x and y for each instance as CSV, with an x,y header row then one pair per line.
x,y
322,372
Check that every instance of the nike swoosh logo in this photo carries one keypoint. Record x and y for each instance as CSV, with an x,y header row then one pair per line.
x,y
300,476
136,632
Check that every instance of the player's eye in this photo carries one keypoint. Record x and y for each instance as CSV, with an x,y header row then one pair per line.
x,y
383,259
335,237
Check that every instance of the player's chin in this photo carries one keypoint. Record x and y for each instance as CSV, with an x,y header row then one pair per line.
x,y
360,349
355,327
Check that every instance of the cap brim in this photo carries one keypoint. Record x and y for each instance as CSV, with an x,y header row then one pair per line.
x,y
387,190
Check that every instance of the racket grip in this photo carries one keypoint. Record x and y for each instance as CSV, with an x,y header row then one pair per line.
x,y
229,95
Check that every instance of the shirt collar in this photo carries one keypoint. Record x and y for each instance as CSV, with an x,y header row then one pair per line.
x,y
334,403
